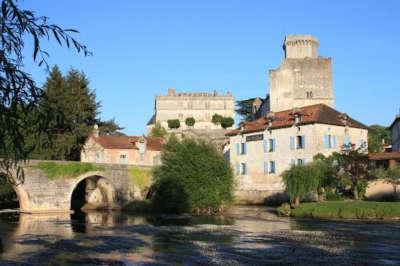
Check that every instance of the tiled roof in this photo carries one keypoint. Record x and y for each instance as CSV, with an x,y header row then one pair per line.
x,y
129,142
319,113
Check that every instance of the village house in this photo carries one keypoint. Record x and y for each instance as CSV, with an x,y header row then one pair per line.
x,y
261,150
131,150
295,122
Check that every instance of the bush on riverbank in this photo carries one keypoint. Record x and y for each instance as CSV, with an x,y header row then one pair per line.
x,y
55,170
345,210
193,177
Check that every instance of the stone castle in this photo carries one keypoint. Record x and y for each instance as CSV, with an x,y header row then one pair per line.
x,y
201,106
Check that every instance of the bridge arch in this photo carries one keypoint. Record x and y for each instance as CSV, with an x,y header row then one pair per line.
x,y
92,190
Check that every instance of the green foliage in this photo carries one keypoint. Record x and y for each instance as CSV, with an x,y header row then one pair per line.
x,y
227,122
174,123
300,180
54,170
140,177
348,210
391,175
110,127
7,193
216,119
284,210
244,108
137,206
190,121
377,133
158,131
19,94
193,177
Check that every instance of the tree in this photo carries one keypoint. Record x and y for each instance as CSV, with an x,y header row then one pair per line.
x,y
158,131
300,180
190,121
216,119
73,111
227,122
193,177
110,128
244,109
19,92
356,168
377,133
174,123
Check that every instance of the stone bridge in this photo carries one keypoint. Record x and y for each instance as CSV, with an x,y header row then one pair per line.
x,y
108,188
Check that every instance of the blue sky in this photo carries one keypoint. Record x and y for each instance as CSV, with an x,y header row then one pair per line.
x,y
141,48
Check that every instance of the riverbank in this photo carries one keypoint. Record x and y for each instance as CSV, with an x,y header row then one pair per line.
x,y
344,210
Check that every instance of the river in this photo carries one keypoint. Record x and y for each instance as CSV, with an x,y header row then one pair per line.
x,y
245,235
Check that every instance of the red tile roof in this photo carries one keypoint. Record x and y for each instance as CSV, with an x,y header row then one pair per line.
x,y
129,142
319,113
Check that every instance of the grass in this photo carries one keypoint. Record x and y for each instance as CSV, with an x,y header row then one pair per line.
x,y
56,171
348,210
140,177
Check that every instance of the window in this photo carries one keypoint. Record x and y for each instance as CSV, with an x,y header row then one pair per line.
x,y
330,142
272,167
309,94
244,169
300,161
300,142
243,148
265,168
122,156
271,145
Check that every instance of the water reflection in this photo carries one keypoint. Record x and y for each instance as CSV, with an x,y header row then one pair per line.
x,y
246,235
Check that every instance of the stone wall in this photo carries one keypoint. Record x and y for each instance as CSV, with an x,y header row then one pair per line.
x,y
40,194
200,106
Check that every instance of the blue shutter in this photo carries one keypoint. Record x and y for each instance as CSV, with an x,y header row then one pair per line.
x,y
238,168
237,148
265,168
244,168
346,140
244,148
292,143
334,142
273,145
265,144
272,170
303,141
326,145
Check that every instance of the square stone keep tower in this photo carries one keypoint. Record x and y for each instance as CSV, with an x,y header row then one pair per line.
x,y
304,78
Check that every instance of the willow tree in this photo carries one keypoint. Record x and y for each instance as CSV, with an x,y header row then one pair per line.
x,y
19,92
300,180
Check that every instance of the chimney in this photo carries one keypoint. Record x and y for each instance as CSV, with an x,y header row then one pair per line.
x,y
95,131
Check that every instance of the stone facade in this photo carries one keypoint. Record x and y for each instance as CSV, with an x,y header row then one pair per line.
x,y
303,78
260,151
108,188
132,150
200,106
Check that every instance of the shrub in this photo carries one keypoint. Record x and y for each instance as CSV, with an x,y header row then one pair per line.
x,y
227,122
284,209
140,178
174,123
216,119
190,121
193,177
55,170
158,131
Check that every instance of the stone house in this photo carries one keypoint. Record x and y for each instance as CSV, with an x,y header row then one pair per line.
x,y
260,150
132,150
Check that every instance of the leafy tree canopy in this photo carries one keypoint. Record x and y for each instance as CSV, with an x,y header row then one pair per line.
x,y
193,177
158,131
174,123
244,108
190,121
377,133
